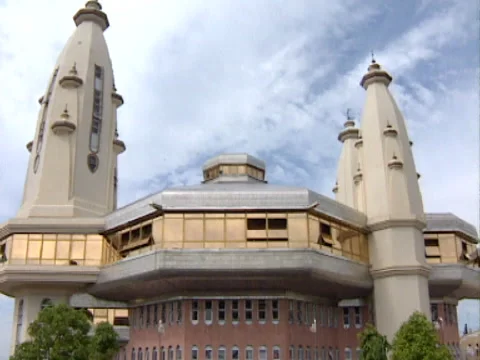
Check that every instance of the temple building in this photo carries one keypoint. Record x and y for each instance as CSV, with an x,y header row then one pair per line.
x,y
234,268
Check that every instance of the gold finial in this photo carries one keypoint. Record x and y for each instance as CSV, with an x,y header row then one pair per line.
x,y
350,118
73,70
65,114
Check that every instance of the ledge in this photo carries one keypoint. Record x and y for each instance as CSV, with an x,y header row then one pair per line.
x,y
29,146
117,99
70,82
63,127
119,146
97,16
163,271
13,277
52,225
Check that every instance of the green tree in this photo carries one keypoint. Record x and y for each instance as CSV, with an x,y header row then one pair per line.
x,y
104,343
62,333
373,344
417,339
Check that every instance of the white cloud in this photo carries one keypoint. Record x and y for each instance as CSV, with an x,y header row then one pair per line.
x,y
271,78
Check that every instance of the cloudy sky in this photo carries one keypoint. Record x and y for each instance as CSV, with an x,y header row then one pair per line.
x,y
268,77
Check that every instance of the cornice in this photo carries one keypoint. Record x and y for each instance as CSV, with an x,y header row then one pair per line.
x,y
52,225
382,224
403,270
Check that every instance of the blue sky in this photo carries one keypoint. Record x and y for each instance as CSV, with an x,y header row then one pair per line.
x,y
272,78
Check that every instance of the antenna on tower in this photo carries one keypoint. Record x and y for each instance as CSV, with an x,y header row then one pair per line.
x,y
349,114
373,57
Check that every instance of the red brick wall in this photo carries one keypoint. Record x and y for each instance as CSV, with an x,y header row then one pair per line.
x,y
269,333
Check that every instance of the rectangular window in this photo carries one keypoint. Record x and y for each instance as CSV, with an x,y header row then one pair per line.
x,y
291,353
306,318
358,316
155,315
262,310
299,312
447,313
147,315
329,317
171,313
208,311
235,353
277,224
194,311
322,316
335,317
164,313
314,313
221,311
290,312
235,317
179,312
256,224
275,310
194,353
141,318
249,353
248,310
300,353
308,354
346,317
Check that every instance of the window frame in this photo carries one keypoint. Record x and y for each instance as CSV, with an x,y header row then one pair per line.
x,y
194,312
208,312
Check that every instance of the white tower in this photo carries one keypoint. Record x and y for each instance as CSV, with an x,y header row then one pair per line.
x,y
393,205
73,161
348,164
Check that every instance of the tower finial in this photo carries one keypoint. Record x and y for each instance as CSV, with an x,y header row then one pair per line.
x,y
93,4
373,57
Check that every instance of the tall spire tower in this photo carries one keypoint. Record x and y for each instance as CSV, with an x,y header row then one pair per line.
x,y
393,205
73,157
348,164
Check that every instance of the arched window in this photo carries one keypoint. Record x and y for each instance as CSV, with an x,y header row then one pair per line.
x,y
359,353
19,321
308,353
348,354
154,354
235,353
147,354
45,303
291,353
97,115
170,353
300,353
124,351
163,353
134,357
178,354
222,353
249,353
276,353
208,353
194,352
262,353
140,354
316,354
